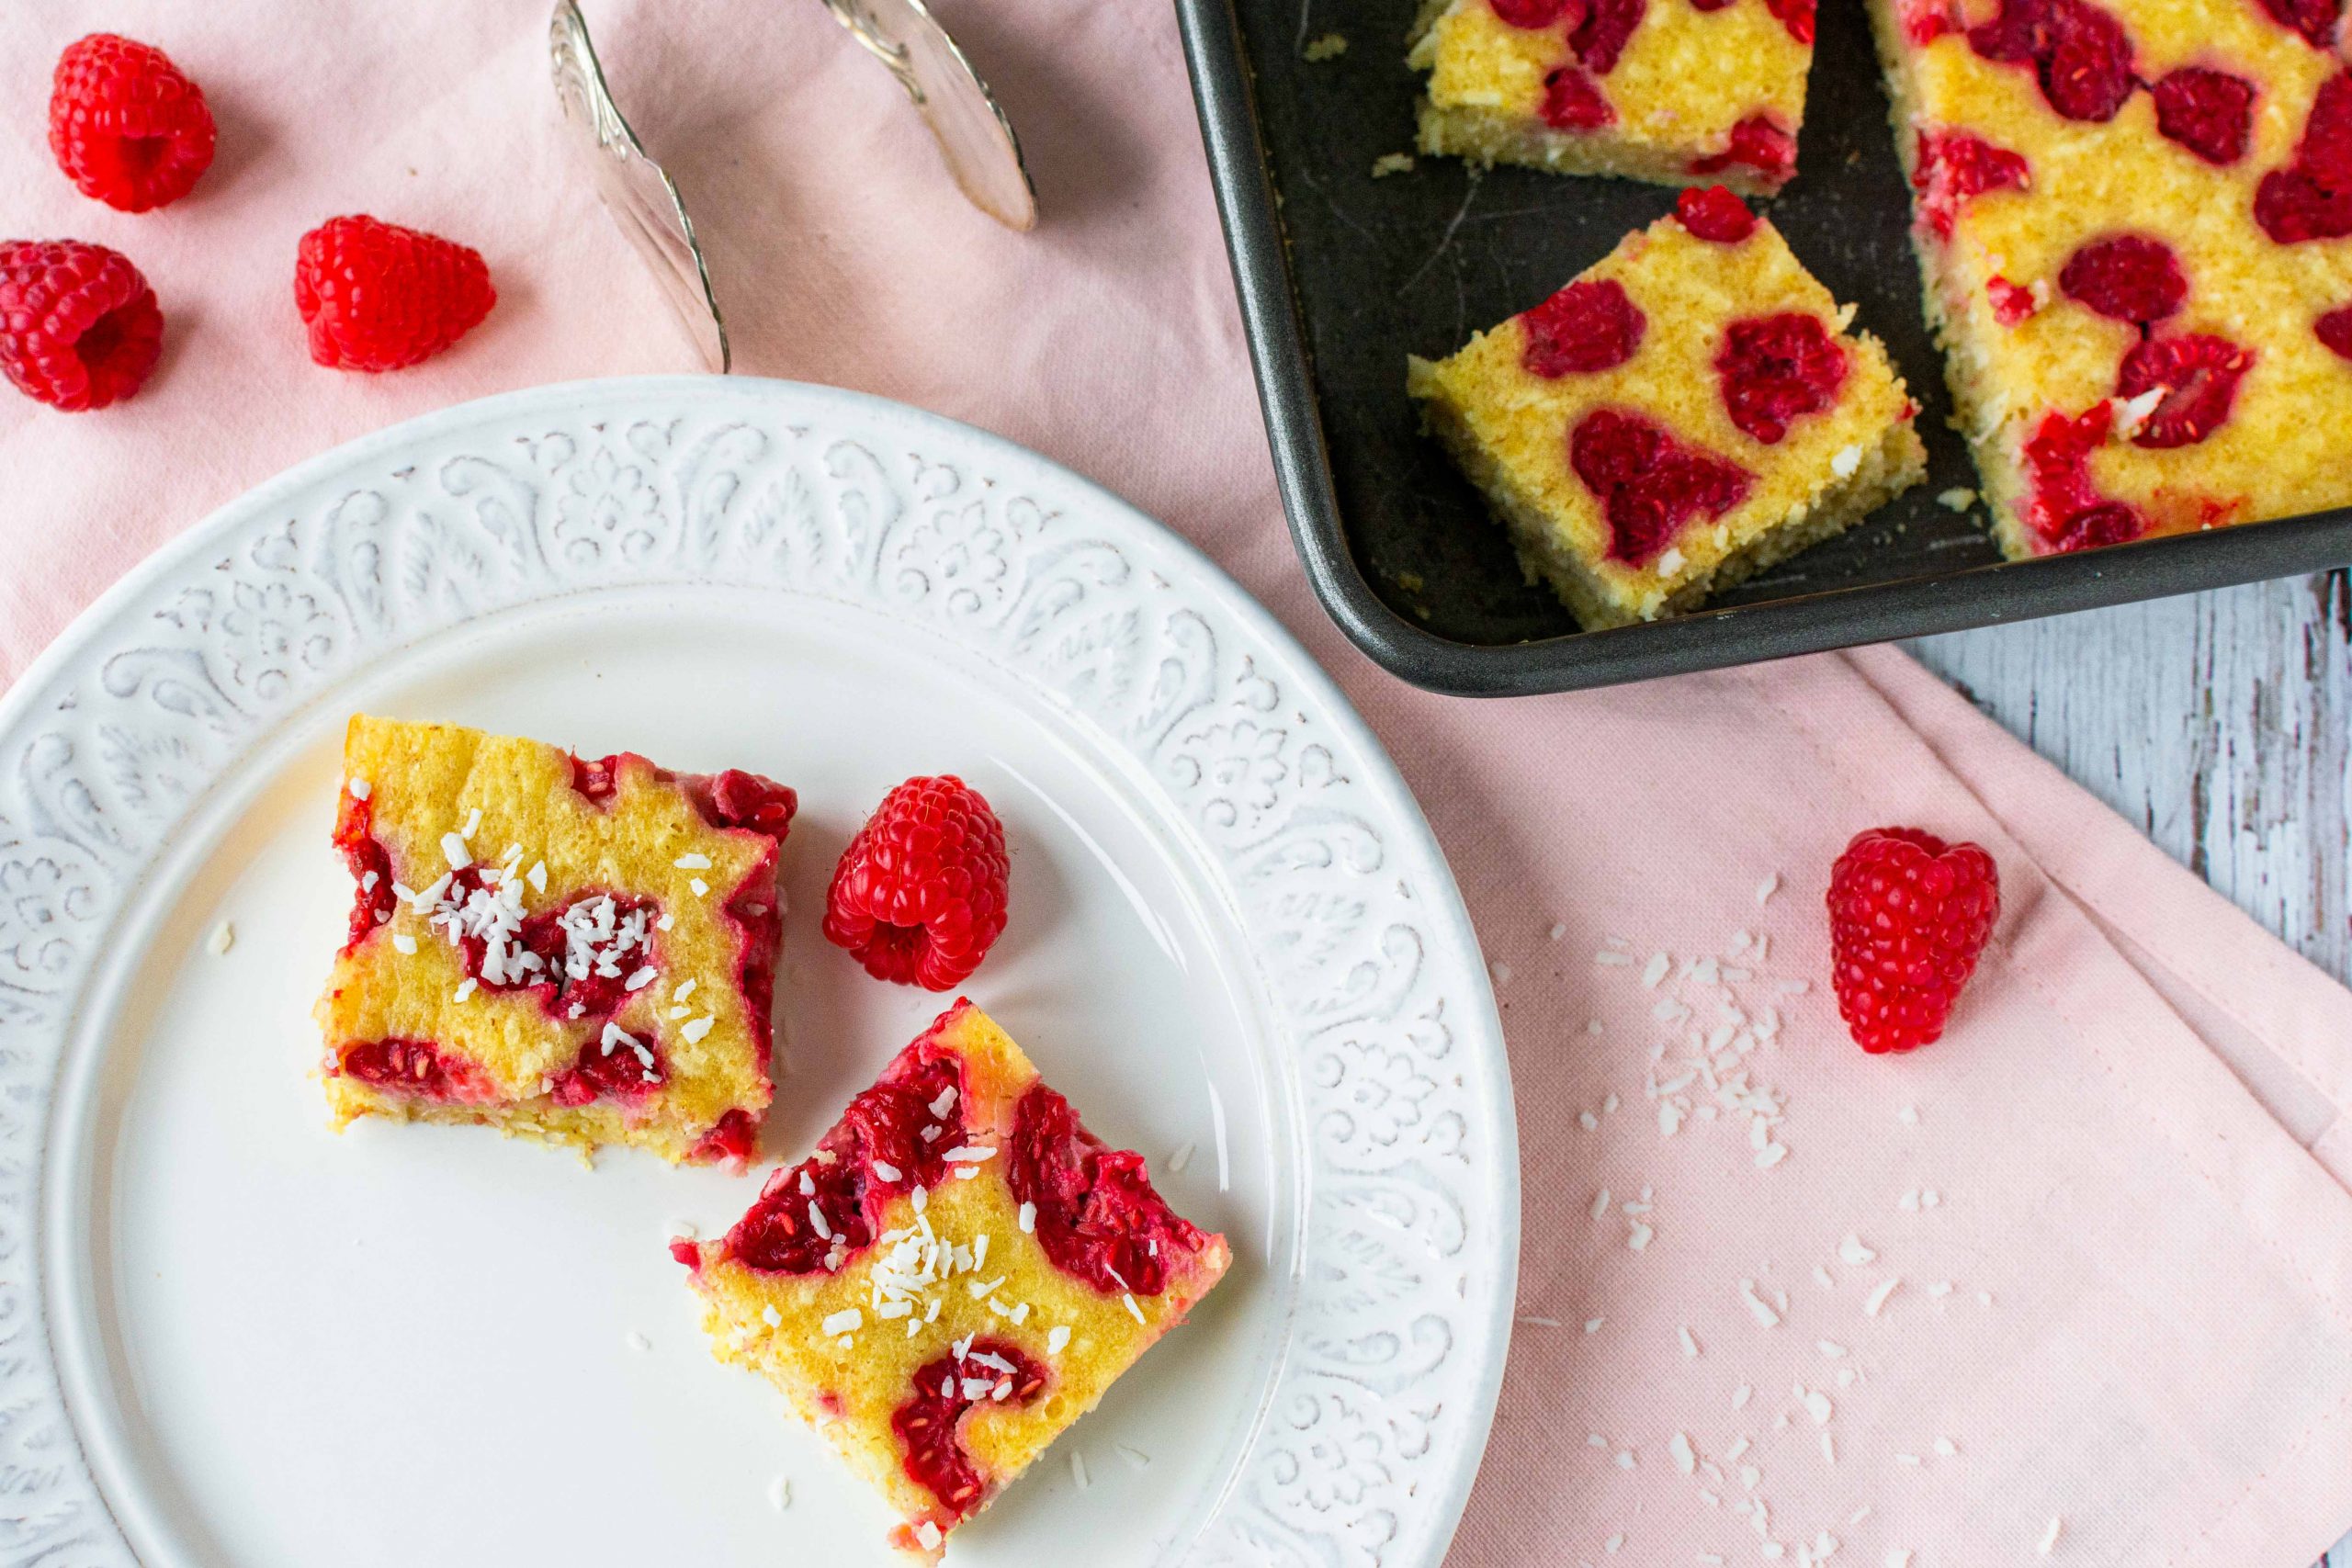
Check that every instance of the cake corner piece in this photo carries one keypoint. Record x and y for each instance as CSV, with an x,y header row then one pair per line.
x,y
956,1274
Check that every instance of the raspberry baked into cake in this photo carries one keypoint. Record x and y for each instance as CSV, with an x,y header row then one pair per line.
x,y
1689,410
956,1276
1673,91
2134,221
577,951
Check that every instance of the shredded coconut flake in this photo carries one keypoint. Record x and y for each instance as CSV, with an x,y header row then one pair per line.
x,y
1685,1459
1078,1469
1876,1301
2049,1540
1690,1343
845,1320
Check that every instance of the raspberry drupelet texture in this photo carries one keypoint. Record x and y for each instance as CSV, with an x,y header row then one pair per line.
x,y
920,895
126,125
1908,917
79,327
377,297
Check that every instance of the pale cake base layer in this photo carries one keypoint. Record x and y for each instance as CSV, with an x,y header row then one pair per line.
x,y
1488,137
583,1127
1898,462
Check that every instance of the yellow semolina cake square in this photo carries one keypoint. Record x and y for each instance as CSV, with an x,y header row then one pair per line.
x,y
1670,91
958,1273
1691,409
581,951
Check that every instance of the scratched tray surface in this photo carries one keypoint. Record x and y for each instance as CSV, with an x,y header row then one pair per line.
x,y
1417,262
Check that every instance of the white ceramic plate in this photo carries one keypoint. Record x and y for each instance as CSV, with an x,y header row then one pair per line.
x,y
230,1337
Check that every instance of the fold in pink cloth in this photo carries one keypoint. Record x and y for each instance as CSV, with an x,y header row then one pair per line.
x,y
2126,1162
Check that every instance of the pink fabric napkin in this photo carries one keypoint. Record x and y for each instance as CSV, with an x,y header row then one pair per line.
x,y
2136,1134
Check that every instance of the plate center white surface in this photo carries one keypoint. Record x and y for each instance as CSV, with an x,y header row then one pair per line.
x,y
408,1345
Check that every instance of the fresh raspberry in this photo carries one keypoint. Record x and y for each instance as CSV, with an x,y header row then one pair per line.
x,y
1759,143
2079,54
2066,509
1586,327
2128,278
78,325
377,297
2012,302
2209,112
1778,368
1794,15
1572,101
125,125
2199,374
2335,330
1952,167
1908,916
1601,38
919,894
1649,484
1711,213
1534,15
930,1422
2315,19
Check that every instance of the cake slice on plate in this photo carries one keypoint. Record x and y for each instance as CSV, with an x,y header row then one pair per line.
x,y
2134,223
956,1275
1689,410
1674,91
581,951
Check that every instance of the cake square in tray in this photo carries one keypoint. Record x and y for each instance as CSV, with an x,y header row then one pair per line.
x,y
956,1275
2134,223
580,952
1673,91
1689,410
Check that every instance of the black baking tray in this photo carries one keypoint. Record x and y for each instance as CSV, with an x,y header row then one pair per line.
x,y
1342,275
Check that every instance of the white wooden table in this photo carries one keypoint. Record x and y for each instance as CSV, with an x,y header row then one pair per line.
x,y
2221,724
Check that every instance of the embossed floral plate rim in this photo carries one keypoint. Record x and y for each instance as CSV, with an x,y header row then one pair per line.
x,y
1402,1391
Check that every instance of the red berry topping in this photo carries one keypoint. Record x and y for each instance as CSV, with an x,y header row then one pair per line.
x,y
1648,483
730,1141
2291,207
2315,19
1709,4
2199,376
2311,199
2012,302
1757,142
1098,1217
414,1067
1585,327
1908,916
2325,152
1952,167
1534,15
2066,509
1601,38
1925,21
2129,278
875,1151
78,325
2209,112
1794,15
1711,213
1778,368
377,297
945,1389
1572,101
125,125
919,894
2335,330
2078,52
